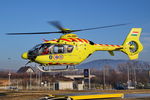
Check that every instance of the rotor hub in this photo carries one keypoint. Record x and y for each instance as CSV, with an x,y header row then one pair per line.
x,y
66,36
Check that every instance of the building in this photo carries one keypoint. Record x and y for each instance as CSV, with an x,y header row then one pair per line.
x,y
27,69
64,85
78,81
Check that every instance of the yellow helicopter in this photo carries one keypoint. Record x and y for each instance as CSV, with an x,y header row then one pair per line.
x,y
70,50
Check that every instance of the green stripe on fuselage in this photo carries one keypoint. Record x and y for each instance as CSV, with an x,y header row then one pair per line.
x,y
133,34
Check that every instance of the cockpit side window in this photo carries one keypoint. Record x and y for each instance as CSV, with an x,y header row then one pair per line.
x,y
45,49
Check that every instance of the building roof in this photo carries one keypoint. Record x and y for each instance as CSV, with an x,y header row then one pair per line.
x,y
77,76
26,69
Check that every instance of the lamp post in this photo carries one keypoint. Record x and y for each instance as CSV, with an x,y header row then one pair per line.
x,y
9,74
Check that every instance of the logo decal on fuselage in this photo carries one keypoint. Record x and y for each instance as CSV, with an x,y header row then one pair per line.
x,y
61,57
57,57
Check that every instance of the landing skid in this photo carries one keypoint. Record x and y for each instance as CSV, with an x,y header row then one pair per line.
x,y
57,70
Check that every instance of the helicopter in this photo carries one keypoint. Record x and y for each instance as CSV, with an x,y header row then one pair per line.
x,y
70,50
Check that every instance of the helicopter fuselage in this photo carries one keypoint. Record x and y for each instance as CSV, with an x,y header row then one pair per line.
x,y
71,50
68,50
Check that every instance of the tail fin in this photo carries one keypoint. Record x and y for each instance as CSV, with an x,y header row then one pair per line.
x,y
132,46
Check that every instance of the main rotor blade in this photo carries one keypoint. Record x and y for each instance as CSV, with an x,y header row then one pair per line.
x,y
63,30
32,33
57,25
115,25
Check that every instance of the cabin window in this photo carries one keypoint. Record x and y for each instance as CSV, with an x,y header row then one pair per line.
x,y
58,49
48,48
62,48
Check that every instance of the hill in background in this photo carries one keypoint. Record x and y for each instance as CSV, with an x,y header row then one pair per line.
x,y
100,63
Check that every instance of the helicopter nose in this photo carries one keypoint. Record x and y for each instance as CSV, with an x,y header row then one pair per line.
x,y
25,55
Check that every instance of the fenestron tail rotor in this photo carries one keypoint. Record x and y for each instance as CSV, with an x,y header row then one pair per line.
x,y
64,30
133,46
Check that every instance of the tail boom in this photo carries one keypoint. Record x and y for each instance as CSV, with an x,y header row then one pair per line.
x,y
131,46
106,47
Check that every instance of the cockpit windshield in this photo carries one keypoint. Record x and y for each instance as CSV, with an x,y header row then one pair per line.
x,y
48,48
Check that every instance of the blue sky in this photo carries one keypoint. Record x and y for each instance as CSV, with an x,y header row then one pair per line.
x,y
33,15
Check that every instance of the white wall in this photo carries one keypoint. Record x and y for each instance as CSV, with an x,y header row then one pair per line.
x,y
63,85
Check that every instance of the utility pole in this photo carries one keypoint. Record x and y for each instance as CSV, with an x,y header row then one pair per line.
x,y
135,78
104,82
30,80
17,84
39,79
128,82
36,77
89,79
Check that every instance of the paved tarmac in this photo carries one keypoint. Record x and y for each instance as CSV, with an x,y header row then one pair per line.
x,y
132,95
137,95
